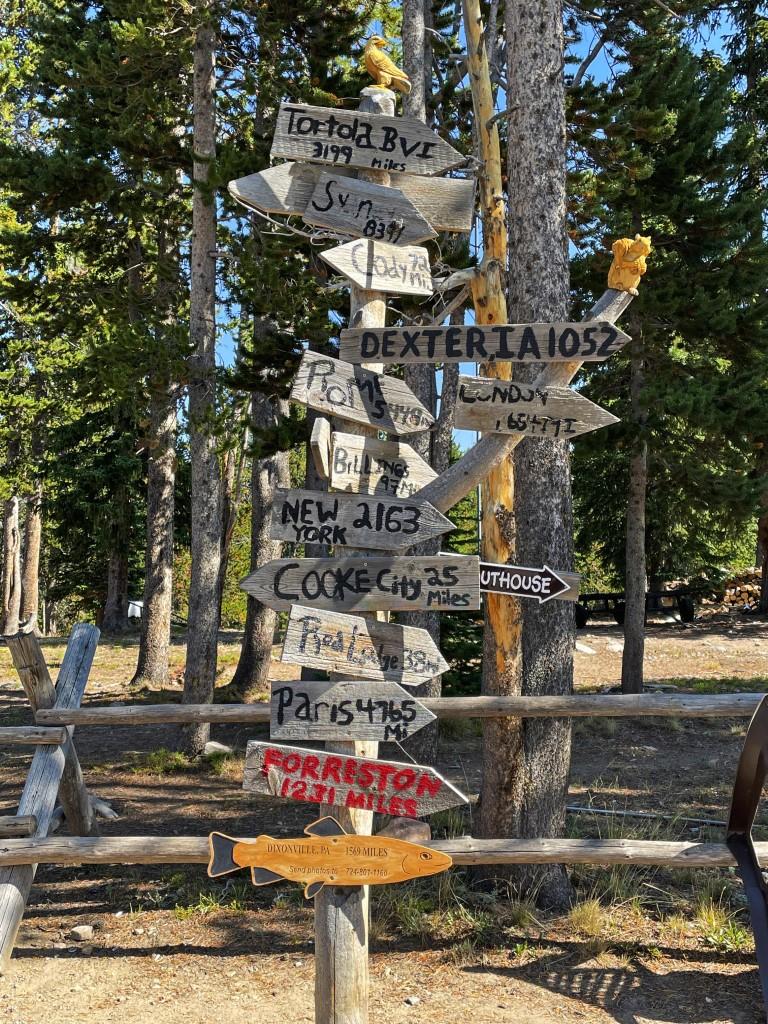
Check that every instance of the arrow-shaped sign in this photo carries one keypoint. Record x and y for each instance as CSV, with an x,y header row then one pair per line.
x,y
354,646
388,787
519,581
345,710
508,407
340,389
381,267
329,135
366,465
352,519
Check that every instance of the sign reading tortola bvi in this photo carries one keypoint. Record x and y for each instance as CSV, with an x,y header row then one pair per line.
x,y
518,581
329,135
519,343
368,584
354,646
315,776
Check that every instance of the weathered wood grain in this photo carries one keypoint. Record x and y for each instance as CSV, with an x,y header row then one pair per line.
x,y
30,735
577,705
365,210
353,519
517,581
445,203
521,343
64,850
505,407
365,465
340,389
17,825
381,267
354,646
341,780
368,584
330,135
320,446
345,710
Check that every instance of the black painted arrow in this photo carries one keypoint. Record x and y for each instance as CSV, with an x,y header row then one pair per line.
x,y
518,581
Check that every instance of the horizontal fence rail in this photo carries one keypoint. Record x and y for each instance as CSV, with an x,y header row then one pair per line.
x,y
31,735
194,850
578,705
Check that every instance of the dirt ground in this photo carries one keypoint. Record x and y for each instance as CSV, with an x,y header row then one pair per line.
x,y
641,945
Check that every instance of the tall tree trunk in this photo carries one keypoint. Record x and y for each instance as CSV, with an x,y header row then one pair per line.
x,y
636,571
533,783
252,670
115,615
11,592
33,535
202,632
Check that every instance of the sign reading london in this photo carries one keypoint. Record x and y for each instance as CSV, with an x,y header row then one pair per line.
x,y
368,584
345,710
387,787
506,407
363,522
333,136
365,648
519,343
517,581
341,389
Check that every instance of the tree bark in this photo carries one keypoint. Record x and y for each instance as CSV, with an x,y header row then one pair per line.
x,y
636,569
252,672
202,632
525,790
33,535
114,618
11,592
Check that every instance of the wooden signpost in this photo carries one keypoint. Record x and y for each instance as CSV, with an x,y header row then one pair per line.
x,y
320,446
365,210
354,646
368,584
366,465
345,710
520,343
518,581
381,267
445,203
357,520
340,389
329,135
506,407
330,856
316,776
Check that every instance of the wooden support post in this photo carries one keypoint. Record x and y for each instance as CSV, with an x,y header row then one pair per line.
x,y
28,657
42,786
341,914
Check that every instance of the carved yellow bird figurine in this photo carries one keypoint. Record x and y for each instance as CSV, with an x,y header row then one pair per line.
x,y
382,70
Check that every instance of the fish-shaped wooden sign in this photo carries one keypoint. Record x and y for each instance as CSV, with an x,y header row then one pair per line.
x,y
328,856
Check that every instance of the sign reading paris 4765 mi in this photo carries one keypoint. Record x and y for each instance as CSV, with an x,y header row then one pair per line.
x,y
518,581
333,136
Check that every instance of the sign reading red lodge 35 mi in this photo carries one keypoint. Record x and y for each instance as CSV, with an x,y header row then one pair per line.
x,y
329,135
341,389
368,584
387,787
517,581
519,343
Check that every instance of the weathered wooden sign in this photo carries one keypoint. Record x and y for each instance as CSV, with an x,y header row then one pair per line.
x,y
320,446
330,856
329,135
366,465
340,389
445,203
365,210
521,343
368,584
518,581
352,645
386,787
506,407
345,710
352,519
381,267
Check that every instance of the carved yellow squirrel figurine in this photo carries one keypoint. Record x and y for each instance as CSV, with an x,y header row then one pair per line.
x,y
628,263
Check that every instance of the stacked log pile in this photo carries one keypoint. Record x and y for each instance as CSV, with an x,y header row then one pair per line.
x,y
742,593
